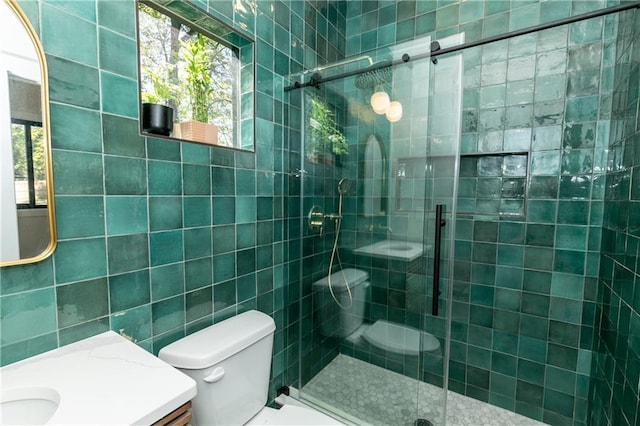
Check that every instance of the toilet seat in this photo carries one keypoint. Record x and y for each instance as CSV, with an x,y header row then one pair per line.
x,y
291,415
399,339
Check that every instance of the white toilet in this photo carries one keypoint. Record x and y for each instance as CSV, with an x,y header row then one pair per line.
x,y
230,362
346,319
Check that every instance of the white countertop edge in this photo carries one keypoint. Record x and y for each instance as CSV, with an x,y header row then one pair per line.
x,y
104,379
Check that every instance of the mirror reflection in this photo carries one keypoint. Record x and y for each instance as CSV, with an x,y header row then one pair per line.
x,y
26,211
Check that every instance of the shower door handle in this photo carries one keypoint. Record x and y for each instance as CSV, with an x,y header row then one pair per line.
x,y
439,224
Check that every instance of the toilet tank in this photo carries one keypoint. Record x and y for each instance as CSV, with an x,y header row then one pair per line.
x,y
230,362
340,320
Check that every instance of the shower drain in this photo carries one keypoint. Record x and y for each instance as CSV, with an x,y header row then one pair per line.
x,y
422,422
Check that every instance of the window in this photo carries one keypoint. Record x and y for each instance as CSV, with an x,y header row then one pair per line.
x,y
29,164
202,78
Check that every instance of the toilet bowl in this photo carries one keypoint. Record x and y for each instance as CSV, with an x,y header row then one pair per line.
x,y
230,362
346,319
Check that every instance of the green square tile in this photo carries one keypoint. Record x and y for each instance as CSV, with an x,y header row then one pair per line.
x,y
533,349
564,334
199,303
538,258
165,178
79,216
117,53
196,180
125,176
535,304
81,259
197,211
59,34
82,302
82,331
77,173
224,294
223,179
197,242
166,281
198,273
534,327
542,211
133,323
126,215
224,239
27,348
224,267
26,277
118,94
73,83
117,17
569,261
128,252
26,315
566,310
167,314
161,149
165,213
121,136
165,247
531,372
70,127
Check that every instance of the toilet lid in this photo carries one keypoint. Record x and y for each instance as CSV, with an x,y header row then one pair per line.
x,y
399,339
290,415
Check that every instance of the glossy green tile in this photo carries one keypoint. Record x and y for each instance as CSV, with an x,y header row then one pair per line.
x,y
165,178
128,252
27,348
82,331
167,314
81,302
75,128
117,17
223,180
199,303
196,211
121,136
125,176
197,242
133,323
73,83
165,247
196,180
126,215
27,315
84,9
117,53
165,213
224,294
60,36
224,267
166,281
129,290
80,259
198,273
77,173
78,217
118,94
161,149
26,277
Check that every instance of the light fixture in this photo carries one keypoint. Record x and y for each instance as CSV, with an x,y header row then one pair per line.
x,y
380,100
394,111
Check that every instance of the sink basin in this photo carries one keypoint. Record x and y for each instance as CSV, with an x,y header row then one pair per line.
x,y
392,249
28,406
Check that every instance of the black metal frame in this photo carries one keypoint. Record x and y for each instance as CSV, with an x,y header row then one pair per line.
x,y
316,79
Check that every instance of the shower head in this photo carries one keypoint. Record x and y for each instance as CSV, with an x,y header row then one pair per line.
x,y
369,79
344,186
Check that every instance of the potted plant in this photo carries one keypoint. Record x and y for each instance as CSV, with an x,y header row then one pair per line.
x,y
198,82
325,140
157,115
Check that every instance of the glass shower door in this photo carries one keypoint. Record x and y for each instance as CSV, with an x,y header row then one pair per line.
x,y
372,350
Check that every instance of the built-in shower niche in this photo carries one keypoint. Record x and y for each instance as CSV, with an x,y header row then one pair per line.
x,y
489,183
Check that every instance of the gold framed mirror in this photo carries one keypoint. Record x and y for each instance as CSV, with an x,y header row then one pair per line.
x,y
27,225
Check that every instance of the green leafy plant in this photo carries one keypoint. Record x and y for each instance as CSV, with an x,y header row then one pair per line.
x,y
324,135
163,90
197,67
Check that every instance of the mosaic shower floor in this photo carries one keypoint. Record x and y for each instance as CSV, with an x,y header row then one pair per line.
x,y
365,393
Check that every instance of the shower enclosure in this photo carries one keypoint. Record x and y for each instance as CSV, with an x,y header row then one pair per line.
x,y
465,252
372,254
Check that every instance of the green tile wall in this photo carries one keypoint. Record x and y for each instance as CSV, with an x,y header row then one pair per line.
x,y
158,239
616,361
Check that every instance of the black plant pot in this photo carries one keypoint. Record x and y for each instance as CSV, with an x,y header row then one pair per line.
x,y
157,119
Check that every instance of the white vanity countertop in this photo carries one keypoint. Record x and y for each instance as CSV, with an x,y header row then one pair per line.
x,y
105,379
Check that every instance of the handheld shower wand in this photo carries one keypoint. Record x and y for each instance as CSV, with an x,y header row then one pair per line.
x,y
344,186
